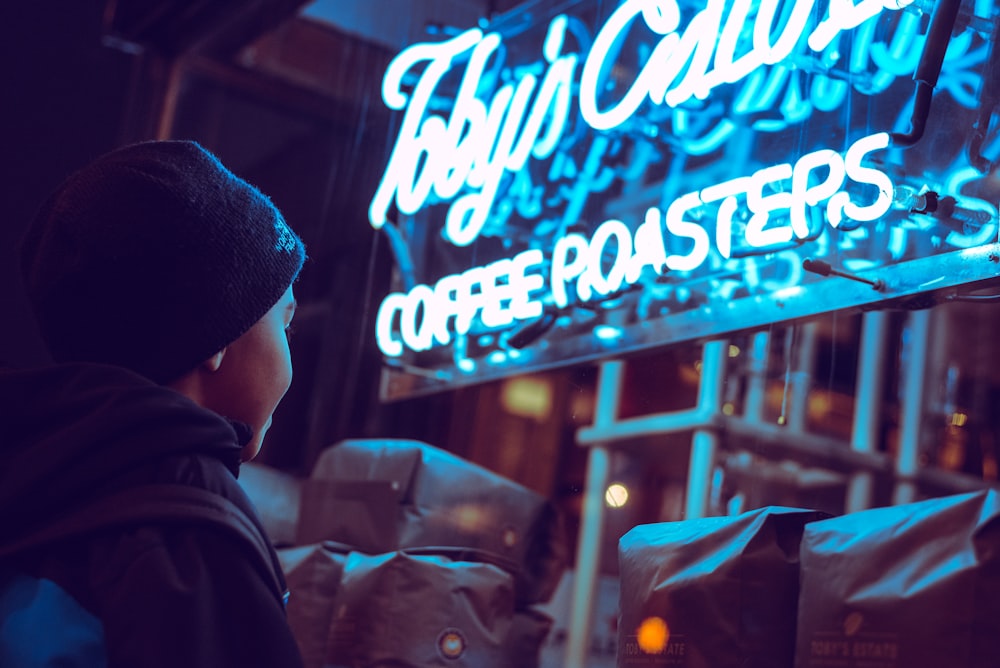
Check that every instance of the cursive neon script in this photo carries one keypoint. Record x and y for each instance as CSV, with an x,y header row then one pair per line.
x,y
478,143
704,56
464,156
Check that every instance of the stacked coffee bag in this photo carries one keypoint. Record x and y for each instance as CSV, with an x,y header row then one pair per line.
x,y
407,555
716,592
909,586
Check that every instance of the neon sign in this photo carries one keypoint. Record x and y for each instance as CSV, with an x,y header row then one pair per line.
x,y
480,142
689,56
631,162
510,290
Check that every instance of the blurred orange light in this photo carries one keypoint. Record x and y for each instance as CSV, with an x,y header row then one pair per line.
x,y
469,518
653,635
527,397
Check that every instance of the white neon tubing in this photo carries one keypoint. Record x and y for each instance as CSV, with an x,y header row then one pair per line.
x,y
493,313
804,195
418,336
842,15
726,192
525,282
665,18
387,343
677,226
563,270
648,244
440,56
763,205
727,69
867,175
448,294
790,34
552,101
692,56
468,115
605,285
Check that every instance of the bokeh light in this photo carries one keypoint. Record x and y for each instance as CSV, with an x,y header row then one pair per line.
x,y
653,635
616,495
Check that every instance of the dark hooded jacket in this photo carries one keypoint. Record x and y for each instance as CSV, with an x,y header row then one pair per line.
x,y
147,594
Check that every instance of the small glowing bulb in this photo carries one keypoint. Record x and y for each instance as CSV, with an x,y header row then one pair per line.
x,y
607,332
653,635
497,357
616,495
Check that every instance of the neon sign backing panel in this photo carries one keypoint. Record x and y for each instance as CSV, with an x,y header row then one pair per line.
x,y
613,177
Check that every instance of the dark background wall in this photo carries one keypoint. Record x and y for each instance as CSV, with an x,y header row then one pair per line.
x,y
64,100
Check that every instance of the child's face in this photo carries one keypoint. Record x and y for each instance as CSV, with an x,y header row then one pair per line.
x,y
255,373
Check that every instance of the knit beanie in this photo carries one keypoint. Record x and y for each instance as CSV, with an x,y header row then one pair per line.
x,y
155,257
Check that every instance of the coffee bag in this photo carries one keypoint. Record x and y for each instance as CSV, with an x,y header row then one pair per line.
x,y
909,586
717,592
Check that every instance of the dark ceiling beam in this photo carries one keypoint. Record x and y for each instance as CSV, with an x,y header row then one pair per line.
x,y
215,28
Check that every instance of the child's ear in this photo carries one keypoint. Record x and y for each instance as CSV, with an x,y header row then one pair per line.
x,y
215,361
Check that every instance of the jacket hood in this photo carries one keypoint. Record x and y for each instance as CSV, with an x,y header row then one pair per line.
x,y
67,432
